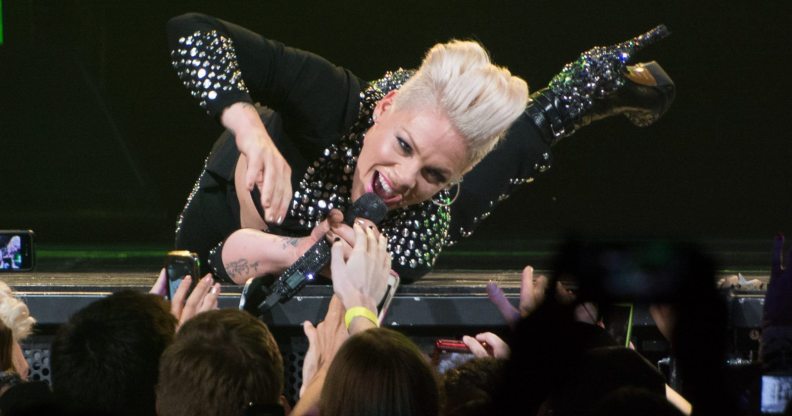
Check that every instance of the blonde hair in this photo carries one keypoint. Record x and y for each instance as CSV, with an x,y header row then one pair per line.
x,y
15,314
480,99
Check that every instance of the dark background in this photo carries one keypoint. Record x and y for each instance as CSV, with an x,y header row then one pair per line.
x,y
100,143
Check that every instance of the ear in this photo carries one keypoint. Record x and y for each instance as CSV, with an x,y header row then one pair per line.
x,y
385,103
284,402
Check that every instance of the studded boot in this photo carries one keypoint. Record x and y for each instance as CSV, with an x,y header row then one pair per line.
x,y
600,84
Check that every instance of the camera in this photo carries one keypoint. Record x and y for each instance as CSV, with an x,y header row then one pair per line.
x,y
449,354
180,263
16,251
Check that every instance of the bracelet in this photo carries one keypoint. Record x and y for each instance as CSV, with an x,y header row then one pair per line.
x,y
360,311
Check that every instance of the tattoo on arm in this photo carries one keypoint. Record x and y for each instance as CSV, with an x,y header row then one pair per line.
x,y
242,268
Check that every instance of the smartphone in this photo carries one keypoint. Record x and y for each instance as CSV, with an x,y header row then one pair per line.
x,y
180,263
393,284
776,391
16,251
449,354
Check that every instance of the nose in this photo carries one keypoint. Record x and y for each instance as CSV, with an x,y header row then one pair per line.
x,y
405,177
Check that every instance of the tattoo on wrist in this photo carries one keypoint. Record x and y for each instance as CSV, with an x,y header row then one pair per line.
x,y
289,241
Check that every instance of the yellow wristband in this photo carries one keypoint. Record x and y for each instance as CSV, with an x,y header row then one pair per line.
x,y
360,311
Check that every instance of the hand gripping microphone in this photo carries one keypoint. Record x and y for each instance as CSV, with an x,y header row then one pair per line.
x,y
369,206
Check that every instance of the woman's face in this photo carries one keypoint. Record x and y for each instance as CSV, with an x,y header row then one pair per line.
x,y
408,155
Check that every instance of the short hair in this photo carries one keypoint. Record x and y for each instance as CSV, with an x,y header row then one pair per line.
x,y
480,99
380,372
15,314
470,388
105,359
220,362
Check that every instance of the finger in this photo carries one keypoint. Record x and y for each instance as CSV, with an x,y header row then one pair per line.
x,y
540,289
159,286
343,231
285,198
510,314
337,264
177,300
267,191
527,301
499,347
197,295
335,217
335,311
386,257
371,242
475,347
361,240
282,193
252,171
209,302
310,333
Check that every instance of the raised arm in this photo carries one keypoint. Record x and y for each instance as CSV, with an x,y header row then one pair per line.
x,y
228,68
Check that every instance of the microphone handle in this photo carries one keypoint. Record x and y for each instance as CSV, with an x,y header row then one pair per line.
x,y
298,274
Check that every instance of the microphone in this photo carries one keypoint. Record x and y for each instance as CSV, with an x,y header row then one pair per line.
x,y
368,206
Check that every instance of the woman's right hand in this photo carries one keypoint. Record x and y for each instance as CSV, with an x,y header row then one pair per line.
x,y
266,167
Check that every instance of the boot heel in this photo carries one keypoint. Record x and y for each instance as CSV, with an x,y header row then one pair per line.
x,y
661,93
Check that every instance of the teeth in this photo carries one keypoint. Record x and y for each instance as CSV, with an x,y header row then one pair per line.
x,y
388,190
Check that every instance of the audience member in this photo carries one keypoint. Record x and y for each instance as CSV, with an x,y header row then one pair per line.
x,y
380,372
105,359
471,387
776,347
18,397
15,316
222,362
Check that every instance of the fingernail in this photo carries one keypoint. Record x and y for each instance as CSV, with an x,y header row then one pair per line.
x,y
280,219
213,290
207,279
360,222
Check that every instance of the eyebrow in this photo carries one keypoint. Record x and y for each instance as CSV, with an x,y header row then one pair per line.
x,y
443,171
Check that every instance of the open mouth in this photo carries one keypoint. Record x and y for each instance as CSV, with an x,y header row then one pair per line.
x,y
384,190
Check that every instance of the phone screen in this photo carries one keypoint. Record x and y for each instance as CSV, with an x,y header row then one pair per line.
x,y
16,251
178,265
776,392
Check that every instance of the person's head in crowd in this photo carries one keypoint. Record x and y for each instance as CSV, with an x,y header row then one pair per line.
x,y
15,316
438,125
380,372
631,401
599,372
471,387
220,363
105,359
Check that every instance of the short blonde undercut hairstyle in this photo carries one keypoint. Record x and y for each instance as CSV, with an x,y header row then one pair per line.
x,y
15,314
480,99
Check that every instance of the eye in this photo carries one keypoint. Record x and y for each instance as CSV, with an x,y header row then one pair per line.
x,y
436,176
404,146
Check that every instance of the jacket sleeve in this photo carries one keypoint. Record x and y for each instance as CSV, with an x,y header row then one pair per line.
x,y
221,63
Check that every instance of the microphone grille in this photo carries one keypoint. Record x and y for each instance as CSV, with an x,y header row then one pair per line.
x,y
369,206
